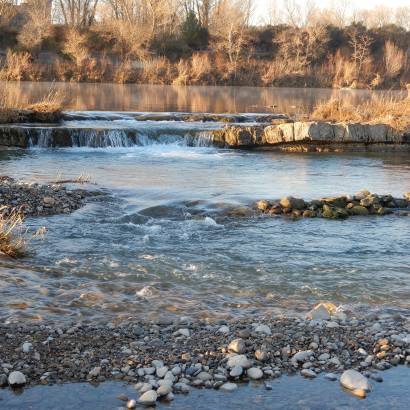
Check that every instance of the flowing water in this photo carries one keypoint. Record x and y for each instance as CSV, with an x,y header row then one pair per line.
x,y
164,241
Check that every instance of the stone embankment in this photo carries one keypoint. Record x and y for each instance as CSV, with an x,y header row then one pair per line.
x,y
314,137
164,358
363,203
33,199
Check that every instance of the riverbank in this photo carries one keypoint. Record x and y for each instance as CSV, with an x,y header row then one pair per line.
x,y
166,357
32,199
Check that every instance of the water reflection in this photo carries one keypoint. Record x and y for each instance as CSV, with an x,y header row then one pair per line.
x,y
217,99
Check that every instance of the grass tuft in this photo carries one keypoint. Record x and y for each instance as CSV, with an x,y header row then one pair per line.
x,y
14,237
378,110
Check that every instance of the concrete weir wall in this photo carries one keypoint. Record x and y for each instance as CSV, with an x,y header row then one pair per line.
x,y
281,134
314,136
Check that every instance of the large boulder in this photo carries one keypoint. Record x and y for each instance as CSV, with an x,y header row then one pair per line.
x,y
339,201
359,210
290,202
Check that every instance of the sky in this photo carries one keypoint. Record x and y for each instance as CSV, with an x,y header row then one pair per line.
x,y
358,3
261,5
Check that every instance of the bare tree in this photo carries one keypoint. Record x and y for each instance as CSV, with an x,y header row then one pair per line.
x,y
299,13
229,21
360,43
340,12
7,11
302,47
38,24
402,17
77,13
394,59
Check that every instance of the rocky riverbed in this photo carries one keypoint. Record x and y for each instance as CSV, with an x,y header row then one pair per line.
x,y
164,358
32,199
363,203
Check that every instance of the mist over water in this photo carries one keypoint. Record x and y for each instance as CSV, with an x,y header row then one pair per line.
x,y
160,98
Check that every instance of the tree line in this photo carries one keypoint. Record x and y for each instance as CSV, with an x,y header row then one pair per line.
x,y
232,42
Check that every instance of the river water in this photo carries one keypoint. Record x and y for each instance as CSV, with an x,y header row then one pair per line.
x,y
131,97
163,243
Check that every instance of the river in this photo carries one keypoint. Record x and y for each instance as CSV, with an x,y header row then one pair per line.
x,y
162,243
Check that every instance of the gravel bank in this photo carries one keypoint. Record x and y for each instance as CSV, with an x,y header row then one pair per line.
x,y
33,199
165,358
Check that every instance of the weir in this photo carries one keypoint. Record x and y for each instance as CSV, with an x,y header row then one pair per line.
x,y
61,137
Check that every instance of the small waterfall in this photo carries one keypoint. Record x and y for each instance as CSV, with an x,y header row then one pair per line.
x,y
41,137
101,138
54,137
203,139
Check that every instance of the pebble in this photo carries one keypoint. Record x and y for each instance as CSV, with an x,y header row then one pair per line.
x,y
16,378
236,371
26,347
261,355
148,398
3,380
131,404
353,380
254,373
223,329
263,329
164,390
181,387
330,376
162,371
302,356
310,374
237,346
228,387
239,360
184,332
95,372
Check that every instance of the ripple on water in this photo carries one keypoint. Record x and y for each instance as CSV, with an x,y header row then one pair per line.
x,y
169,230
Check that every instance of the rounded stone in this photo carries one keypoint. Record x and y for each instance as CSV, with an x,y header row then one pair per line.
x,y
255,373
309,374
164,390
131,404
239,360
16,379
237,346
228,387
148,398
353,380
236,371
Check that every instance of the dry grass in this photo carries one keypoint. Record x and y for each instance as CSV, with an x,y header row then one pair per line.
x,y
378,110
53,102
14,237
47,108
18,66
83,178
